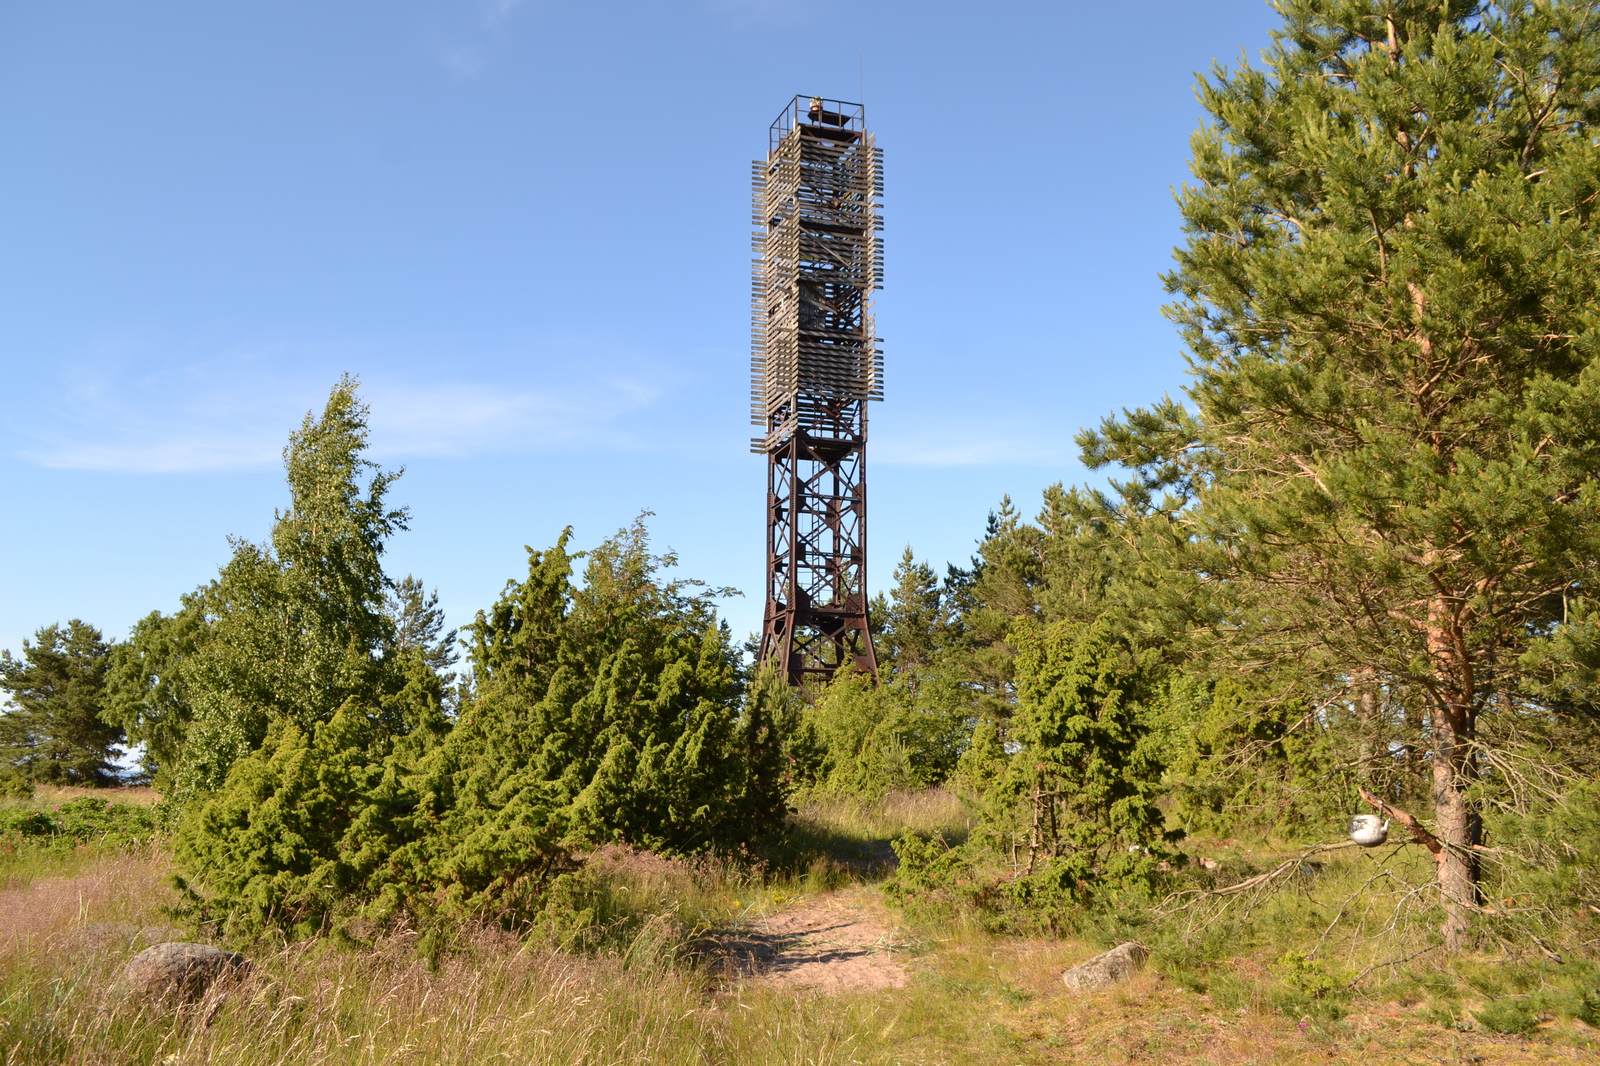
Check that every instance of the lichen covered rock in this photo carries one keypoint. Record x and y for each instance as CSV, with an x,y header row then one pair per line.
x,y
178,972
1106,968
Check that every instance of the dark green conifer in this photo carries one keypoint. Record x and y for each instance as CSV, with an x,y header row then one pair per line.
x,y
912,626
1086,773
51,729
147,687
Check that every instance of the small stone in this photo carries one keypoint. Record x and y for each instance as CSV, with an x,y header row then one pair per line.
x,y
1106,968
180,972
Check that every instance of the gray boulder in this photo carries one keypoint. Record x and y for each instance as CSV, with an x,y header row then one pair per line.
x,y
177,972
1106,968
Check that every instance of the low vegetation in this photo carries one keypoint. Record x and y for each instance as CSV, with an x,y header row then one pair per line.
x,y
627,976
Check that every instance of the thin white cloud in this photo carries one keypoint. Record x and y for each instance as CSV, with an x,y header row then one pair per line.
x,y
745,14
460,418
196,449
957,443
500,10
464,45
236,412
116,414
463,60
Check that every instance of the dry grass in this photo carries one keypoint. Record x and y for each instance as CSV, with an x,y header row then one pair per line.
x,y
971,999
46,796
837,839
43,913
626,894
631,996
931,812
25,862
1016,985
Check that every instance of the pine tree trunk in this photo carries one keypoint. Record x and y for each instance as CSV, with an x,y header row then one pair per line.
x,y
1366,726
1033,831
1457,826
1453,727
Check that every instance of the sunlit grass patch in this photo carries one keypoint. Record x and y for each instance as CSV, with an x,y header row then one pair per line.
x,y
45,797
930,812
90,884
621,894
836,839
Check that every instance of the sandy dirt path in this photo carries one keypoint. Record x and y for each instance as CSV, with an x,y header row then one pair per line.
x,y
833,943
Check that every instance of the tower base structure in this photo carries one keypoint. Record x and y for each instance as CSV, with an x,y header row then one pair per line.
x,y
816,615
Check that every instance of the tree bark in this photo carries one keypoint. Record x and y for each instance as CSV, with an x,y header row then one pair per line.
x,y
1367,728
1419,833
1453,728
1457,823
1033,831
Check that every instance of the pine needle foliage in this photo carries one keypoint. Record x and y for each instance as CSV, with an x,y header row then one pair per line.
x,y
1388,289
51,729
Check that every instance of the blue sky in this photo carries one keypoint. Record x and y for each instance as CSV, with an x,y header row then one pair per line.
x,y
524,225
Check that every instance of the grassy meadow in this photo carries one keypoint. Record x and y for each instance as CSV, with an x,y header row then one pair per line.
x,y
636,976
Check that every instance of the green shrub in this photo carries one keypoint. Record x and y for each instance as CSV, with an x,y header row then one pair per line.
x,y
1080,792
1588,1009
611,712
31,824
929,870
82,821
1506,1016
1308,988
1069,816
903,733
1245,757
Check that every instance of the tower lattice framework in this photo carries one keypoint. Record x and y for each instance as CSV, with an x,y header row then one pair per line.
x,y
815,365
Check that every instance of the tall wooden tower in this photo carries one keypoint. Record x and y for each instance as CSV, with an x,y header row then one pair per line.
x,y
815,364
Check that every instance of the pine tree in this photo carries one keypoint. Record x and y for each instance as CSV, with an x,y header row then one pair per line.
x,y
911,626
1388,289
986,599
419,623
53,731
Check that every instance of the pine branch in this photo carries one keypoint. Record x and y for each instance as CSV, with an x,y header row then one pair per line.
x,y
1418,833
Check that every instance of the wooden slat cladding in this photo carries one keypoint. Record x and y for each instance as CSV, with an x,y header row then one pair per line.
x,y
815,204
